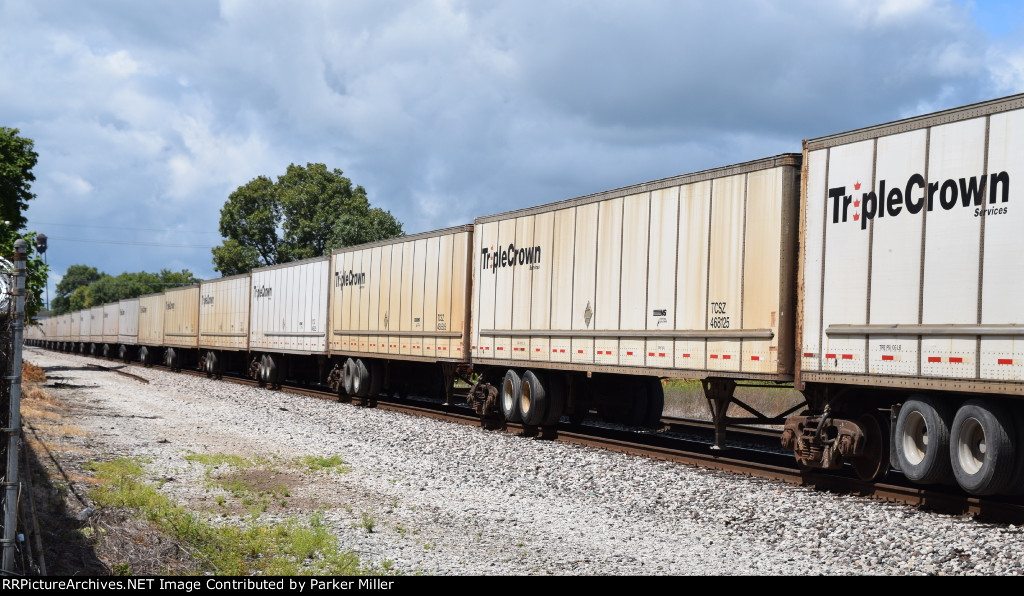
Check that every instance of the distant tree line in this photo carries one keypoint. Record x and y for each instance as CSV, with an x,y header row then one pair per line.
x,y
83,286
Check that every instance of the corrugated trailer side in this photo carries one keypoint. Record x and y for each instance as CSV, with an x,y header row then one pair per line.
x,y
686,277
95,328
181,326
181,317
396,302
912,289
429,310
63,330
224,322
128,328
289,307
111,316
75,331
910,281
224,313
288,320
128,322
691,276
151,327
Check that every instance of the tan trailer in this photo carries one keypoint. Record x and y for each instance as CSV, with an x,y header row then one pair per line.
x,y
151,327
403,298
224,321
181,326
224,313
687,277
400,300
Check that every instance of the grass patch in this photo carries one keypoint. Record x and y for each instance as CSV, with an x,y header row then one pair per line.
x,y
333,463
295,547
253,482
214,460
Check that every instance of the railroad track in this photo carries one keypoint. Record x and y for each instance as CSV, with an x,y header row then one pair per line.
x,y
751,451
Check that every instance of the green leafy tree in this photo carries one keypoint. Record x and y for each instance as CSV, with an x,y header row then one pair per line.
x,y
308,212
75,277
17,158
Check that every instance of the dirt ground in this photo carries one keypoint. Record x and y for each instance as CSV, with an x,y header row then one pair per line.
x,y
77,537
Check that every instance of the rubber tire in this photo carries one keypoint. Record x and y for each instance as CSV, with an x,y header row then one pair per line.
x,y
360,379
999,460
170,358
533,399
934,465
556,392
273,370
655,403
122,354
106,350
212,366
261,372
144,355
347,373
509,396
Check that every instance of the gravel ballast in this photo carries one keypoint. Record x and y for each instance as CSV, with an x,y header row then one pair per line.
x,y
451,499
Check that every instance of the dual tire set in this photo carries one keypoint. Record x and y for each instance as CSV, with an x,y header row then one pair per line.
x,y
532,398
980,445
361,378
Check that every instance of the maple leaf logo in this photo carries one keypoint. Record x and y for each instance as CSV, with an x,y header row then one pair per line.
x,y
856,203
856,186
856,216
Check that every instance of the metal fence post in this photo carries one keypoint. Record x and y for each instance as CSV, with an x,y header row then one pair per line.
x,y
14,428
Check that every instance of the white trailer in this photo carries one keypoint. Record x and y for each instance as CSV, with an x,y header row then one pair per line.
x,y
127,328
95,329
288,316
910,282
110,320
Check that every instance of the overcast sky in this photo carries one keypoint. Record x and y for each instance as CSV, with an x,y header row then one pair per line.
x,y
147,115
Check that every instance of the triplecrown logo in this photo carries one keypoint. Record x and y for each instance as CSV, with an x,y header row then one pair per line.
x,y
917,195
509,257
343,279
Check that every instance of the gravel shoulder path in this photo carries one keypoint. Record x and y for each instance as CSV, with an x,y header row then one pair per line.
x,y
449,499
